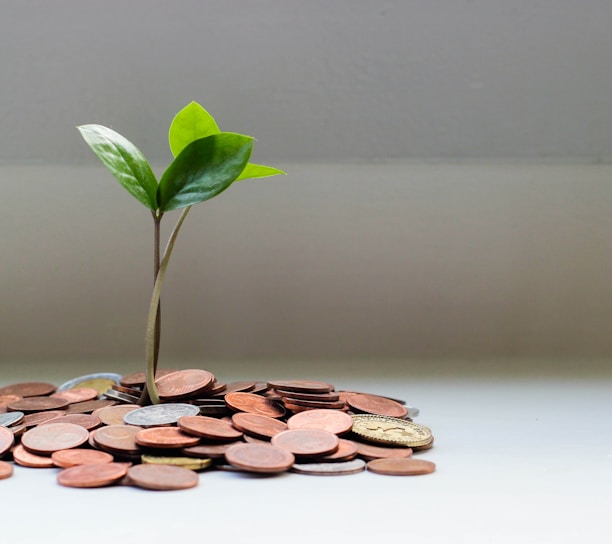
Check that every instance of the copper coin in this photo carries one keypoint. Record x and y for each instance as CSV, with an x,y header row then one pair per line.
x,y
254,404
217,389
330,469
6,470
373,404
259,426
240,387
326,420
92,475
36,418
337,405
87,421
255,440
89,406
346,451
184,383
265,458
17,430
6,399
78,394
7,439
204,451
37,404
138,379
29,389
306,442
301,386
209,427
45,439
162,477
165,437
401,466
317,397
113,415
26,459
120,439
80,456
370,452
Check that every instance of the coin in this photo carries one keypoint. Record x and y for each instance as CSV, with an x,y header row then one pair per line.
x,y
120,439
45,439
346,450
138,379
35,418
254,404
165,437
239,387
390,430
80,456
327,420
37,404
26,459
162,477
92,475
160,414
401,466
184,383
76,394
6,470
28,389
192,463
301,386
5,399
264,458
300,403
121,397
259,426
330,469
373,404
321,397
370,452
7,439
209,427
113,415
11,418
87,421
100,381
306,442
88,406
212,451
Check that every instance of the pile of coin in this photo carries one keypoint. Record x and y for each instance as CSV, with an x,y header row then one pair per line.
x,y
92,429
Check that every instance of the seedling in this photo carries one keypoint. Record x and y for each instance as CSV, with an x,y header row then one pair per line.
x,y
206,162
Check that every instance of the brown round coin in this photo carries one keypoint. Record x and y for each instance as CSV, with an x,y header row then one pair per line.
x,y
254,404
373,404
113,415
36,418
184,383
264,458
7,439
89,406
92,475
37,404
26,459
138,379
80,456
165,437
299,403
6,470
306,442
78,394
28,389
209,427
332,421
204,451
370,451
320,397
301,386
6,399
401,466
87,421
45,439
119,439
162,477
346,451
259,426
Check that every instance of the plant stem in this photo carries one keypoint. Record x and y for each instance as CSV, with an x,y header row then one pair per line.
x,y
154,309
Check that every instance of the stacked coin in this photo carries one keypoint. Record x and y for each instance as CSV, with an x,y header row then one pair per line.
x,y
93,429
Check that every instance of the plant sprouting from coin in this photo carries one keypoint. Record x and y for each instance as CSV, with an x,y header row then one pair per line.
x,y
206,162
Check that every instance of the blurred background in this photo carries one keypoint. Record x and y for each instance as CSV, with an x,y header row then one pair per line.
x,y
448,197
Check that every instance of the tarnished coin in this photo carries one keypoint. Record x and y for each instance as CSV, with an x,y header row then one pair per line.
x,y
92,475
77,394
401,466
332,421
208,451
209,427
28,389
45,439
192,463
26,459
11,418
113,415
160,414
370,451
7,439
6,470
79,456
254,404
166,438
100,381
184,383
138,379
88,406
87,421
330,469
306,442
259,426
36,418
390,430
162,477
373,404
37,404
301,386
264,458
119,439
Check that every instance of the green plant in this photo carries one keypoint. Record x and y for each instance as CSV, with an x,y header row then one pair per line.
x,y
206,162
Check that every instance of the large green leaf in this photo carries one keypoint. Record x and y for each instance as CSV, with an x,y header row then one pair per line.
x,y
203,169
125,161
259,171
191,123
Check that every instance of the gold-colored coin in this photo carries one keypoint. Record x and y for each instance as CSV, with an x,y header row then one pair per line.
x,y
186,462
101,385
391,430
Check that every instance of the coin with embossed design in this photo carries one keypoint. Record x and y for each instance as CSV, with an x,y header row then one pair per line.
x,y
373,404
184,383
254,404
390,430
263,427
330,469
45,439
165,437
119,439
331,421
160,414
264,458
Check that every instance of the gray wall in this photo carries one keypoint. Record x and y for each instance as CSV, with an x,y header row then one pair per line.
x,y
449,190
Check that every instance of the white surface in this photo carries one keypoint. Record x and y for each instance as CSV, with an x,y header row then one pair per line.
x,y
518,460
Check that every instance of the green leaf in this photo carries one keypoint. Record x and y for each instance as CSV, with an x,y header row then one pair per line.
x,y
191,123
259,171
204,169
125,161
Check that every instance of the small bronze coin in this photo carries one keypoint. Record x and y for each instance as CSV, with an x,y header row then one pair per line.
x,y
92,475
332,421
346,451
37,404
184,383
165,437
113,415
254,404
259,426
306,442
88,406
6,399
265,458
317,397
138,379
239,387
7,439
45,439
290,401
209,427
120,439
162,477
301,386
205,451
28,389
80,456
401,466
36,418
87,421
78,394
370,452
373,404
330,469
26,459
6,470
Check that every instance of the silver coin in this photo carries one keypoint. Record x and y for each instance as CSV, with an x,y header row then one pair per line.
x,y
160,414
11,418
119,396
330,469
97,376
412,411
